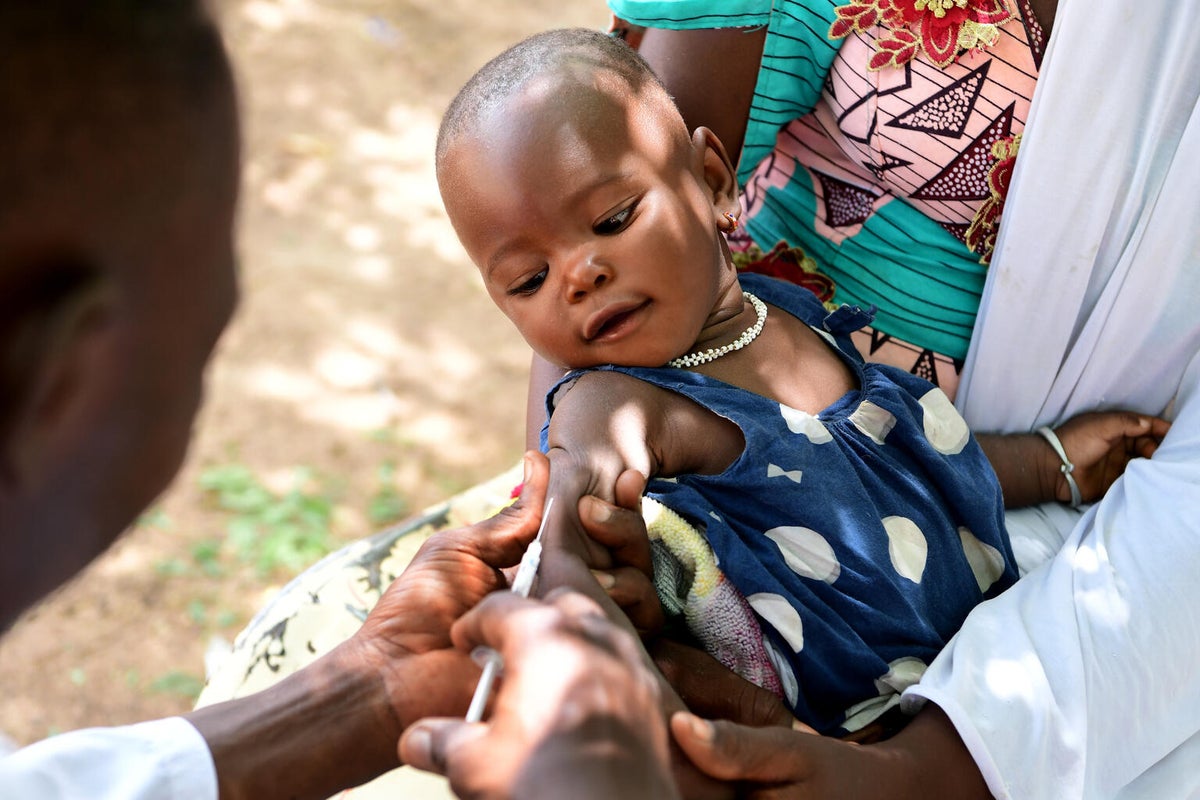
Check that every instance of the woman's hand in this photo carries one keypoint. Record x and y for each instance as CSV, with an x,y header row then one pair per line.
x,y
1101,445
926,759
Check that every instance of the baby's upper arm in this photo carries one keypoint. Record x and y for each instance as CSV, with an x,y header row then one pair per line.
x,y
609,415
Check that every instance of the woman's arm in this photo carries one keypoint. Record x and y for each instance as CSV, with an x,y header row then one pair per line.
x,y
542,375
711,74
926,759
1099,445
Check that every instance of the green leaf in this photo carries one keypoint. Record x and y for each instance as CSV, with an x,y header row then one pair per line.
x,y
178,683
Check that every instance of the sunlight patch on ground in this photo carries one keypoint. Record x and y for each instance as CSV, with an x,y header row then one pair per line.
x,y
278,15
376,339
363,238
373,268
346,369
279,383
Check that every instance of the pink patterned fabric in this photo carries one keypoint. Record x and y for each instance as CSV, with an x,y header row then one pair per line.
x,y
918,131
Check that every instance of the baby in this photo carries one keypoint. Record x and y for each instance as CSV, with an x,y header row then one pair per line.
x,y
846,503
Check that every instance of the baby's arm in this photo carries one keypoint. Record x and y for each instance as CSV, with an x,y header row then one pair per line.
x,y
604,425
1100,444
607,423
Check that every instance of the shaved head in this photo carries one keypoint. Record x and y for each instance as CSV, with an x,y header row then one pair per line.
x,y
574,51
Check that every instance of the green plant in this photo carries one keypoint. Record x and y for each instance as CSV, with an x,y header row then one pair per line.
x,y
178,683
197,611
272,530
154,517
207,555
386,505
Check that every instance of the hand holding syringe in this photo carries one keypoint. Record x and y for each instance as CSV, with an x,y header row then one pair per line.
x,y
490,659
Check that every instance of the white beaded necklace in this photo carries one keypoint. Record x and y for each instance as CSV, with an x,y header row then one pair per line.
x,y
713,353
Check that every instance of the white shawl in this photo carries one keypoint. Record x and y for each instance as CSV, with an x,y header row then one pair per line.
x,y
1093,295
1083,680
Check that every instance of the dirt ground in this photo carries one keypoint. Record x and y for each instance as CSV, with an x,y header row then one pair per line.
x,y
365,357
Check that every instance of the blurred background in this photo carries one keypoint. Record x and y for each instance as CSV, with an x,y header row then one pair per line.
x,y
366,375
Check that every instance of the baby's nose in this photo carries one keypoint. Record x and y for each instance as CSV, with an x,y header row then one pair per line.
x,y
586,275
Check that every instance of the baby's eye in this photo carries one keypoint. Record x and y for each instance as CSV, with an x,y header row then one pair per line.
x,y
530,285
614,223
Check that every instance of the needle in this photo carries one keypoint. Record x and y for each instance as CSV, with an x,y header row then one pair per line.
x,y
489,658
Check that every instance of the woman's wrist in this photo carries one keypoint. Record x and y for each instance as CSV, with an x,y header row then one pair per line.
x,y
1063,486
928,759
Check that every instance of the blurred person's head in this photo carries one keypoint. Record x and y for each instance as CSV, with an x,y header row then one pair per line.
x,y
118,180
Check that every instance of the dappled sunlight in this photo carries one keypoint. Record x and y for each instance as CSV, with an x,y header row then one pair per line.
x,y
1098,591
374,338
1085,559
1012,680
345,368
274,381
460,364
363,237
288,193
373,268
278,15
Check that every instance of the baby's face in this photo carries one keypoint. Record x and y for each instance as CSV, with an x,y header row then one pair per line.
x,y
587,212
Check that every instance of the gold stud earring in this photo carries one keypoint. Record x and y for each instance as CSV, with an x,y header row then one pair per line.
x,y
733,222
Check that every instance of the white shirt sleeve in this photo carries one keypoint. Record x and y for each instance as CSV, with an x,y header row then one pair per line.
x,y
1083,679
166,759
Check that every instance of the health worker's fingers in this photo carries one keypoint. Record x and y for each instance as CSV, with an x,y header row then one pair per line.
x,y
431,744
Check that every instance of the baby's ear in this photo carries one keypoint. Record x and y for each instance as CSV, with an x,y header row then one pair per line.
x,y
52,313
719,176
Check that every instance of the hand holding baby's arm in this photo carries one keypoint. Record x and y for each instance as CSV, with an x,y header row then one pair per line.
x,y
602,428
607,424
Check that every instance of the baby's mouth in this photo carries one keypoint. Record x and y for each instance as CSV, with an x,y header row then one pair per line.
x,y
612,324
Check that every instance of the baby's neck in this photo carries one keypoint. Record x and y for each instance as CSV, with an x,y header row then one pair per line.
x,y
788,363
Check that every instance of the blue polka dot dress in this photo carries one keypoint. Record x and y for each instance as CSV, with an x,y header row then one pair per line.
x,y
860,536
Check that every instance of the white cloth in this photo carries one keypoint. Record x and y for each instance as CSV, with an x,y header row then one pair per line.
x,y
1083,680
1091,297
166,759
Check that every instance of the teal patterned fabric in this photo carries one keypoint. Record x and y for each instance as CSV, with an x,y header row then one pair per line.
x,y
924,281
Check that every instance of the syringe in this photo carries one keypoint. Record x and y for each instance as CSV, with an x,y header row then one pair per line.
x,y
489,658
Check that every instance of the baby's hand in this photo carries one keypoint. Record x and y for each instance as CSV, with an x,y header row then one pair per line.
x,y
1100,444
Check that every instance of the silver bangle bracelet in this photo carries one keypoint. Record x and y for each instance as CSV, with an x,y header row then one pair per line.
x,y
1067,467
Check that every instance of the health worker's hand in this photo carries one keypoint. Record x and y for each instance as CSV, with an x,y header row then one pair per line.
x,y
577,713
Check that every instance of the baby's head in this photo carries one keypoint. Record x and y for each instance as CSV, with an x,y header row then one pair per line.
x,y
593,215
119,168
